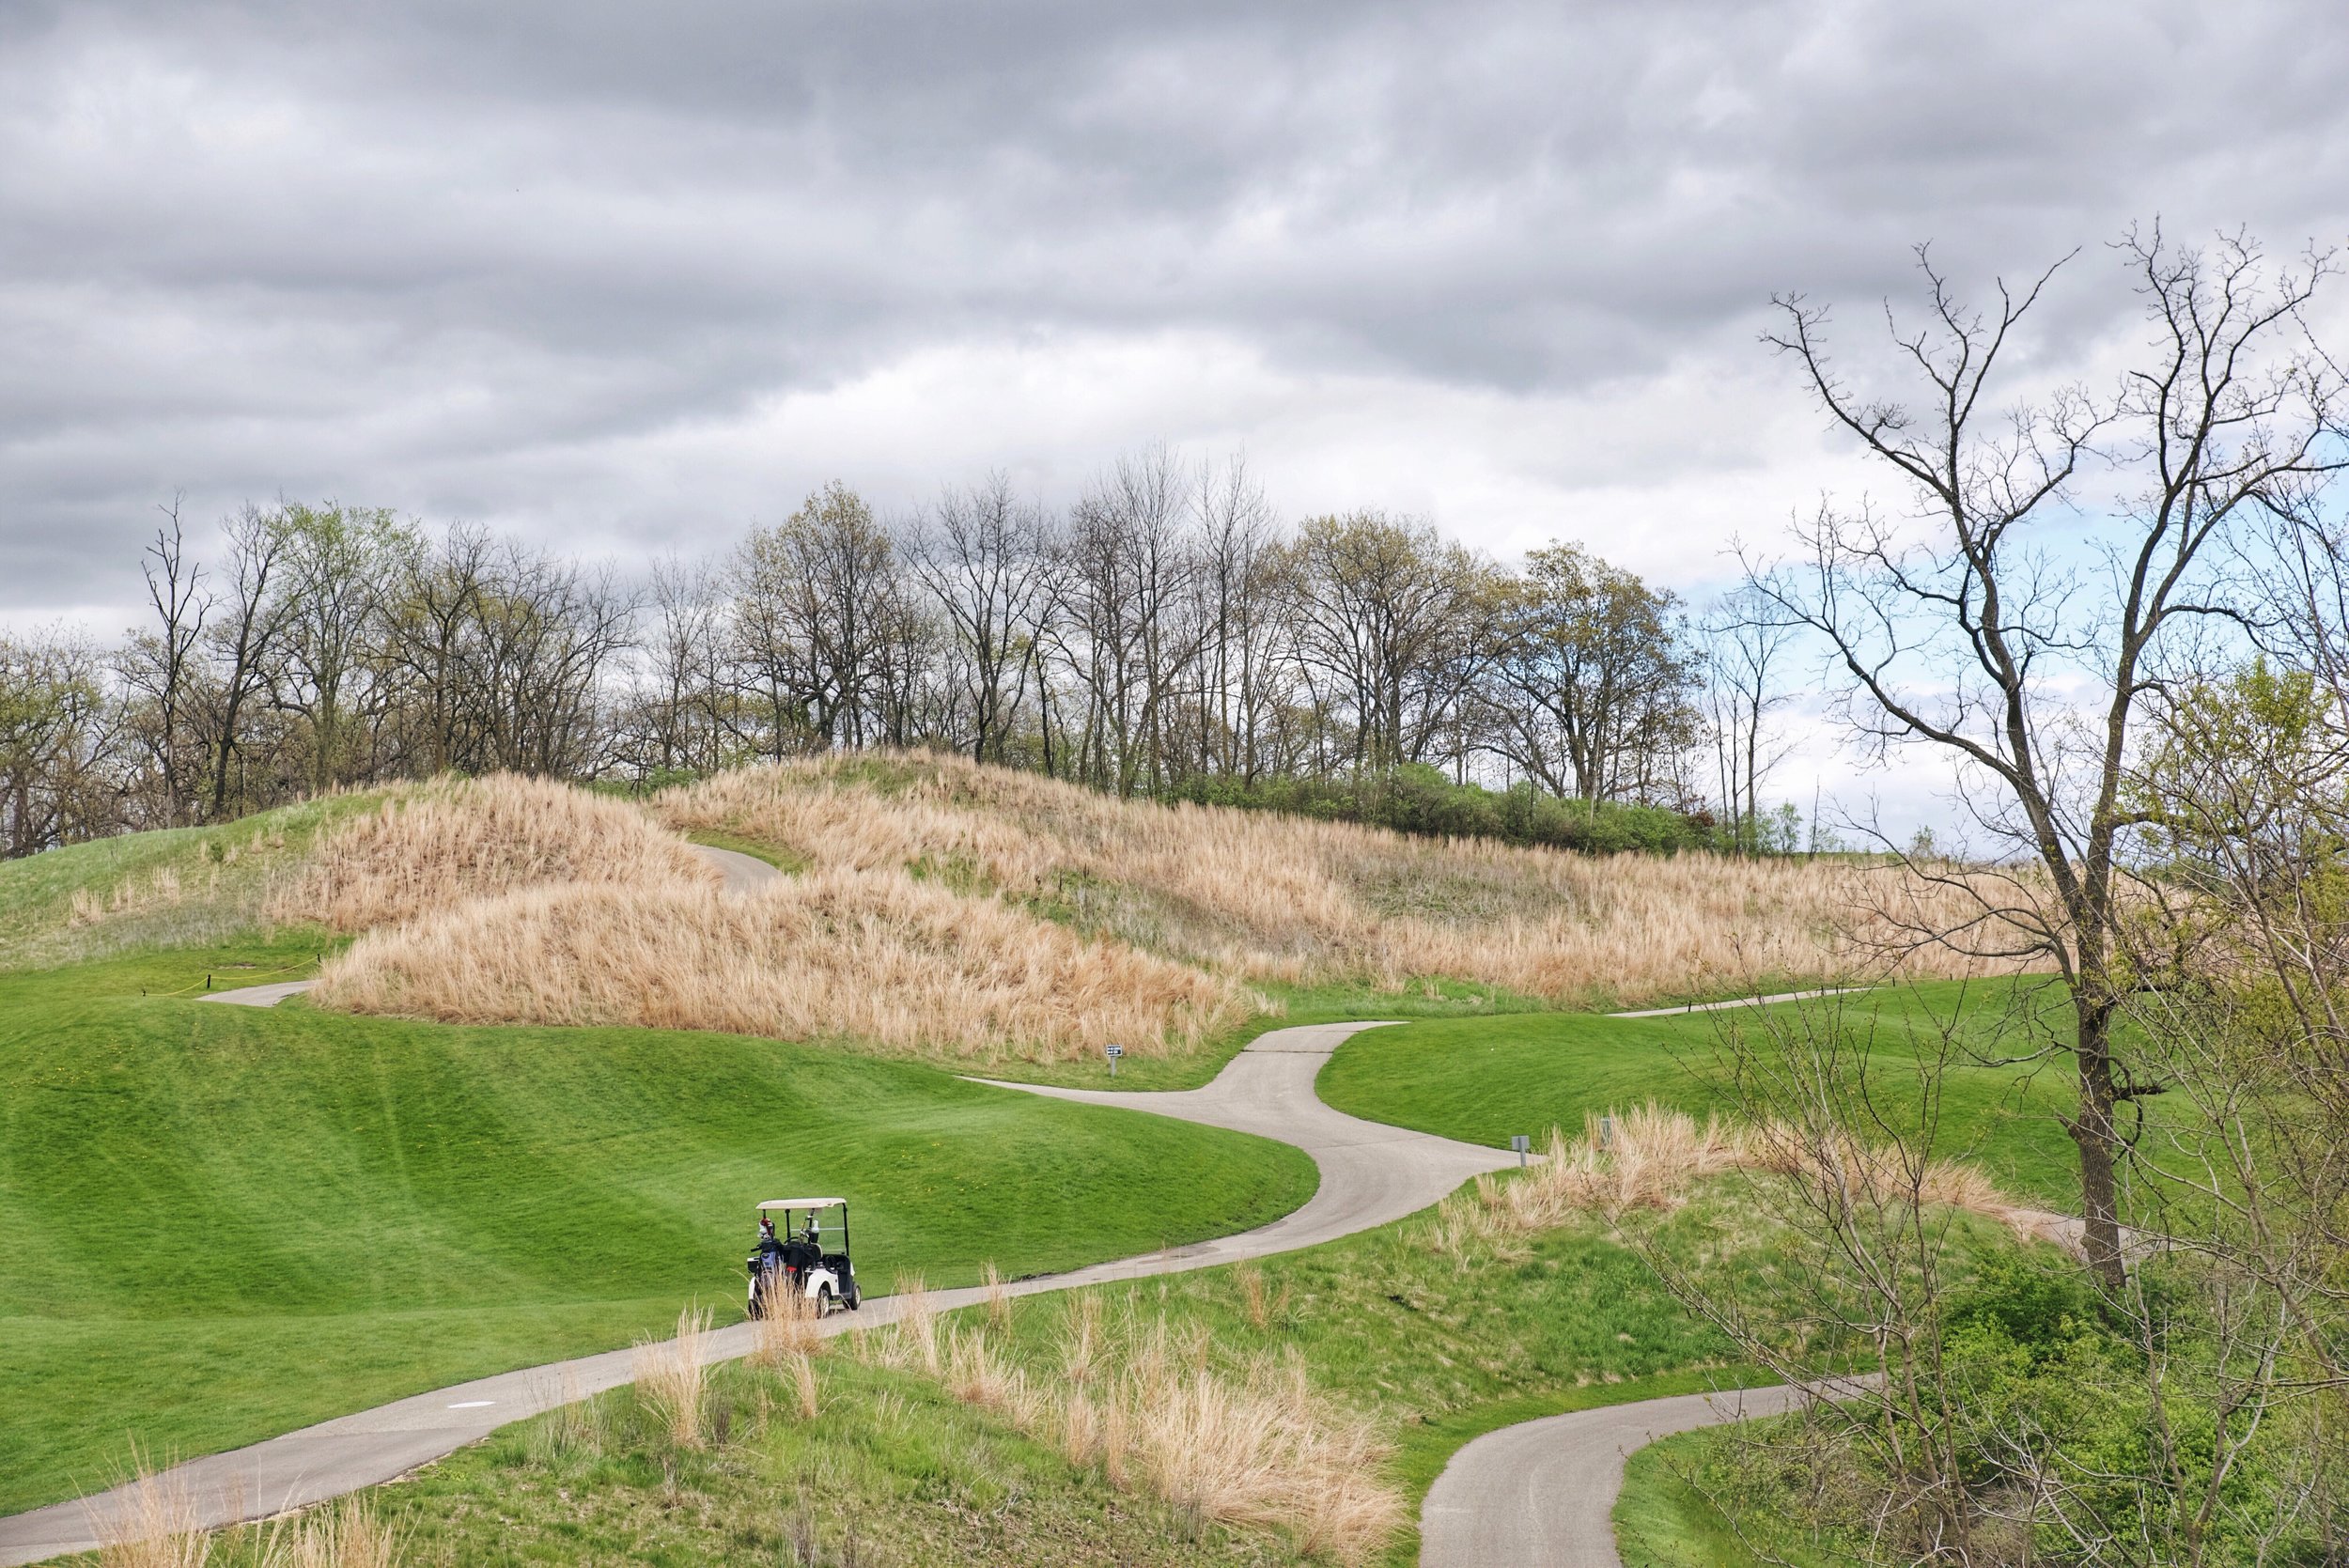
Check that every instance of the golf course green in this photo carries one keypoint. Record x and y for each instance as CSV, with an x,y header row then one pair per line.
x,y
219,1222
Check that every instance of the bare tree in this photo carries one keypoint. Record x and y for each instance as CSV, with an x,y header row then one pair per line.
x,y
1975,632
160,666
681,715
536,660
1392,617
1126,574
246,636
1238,576
981,553
1747,641
432,610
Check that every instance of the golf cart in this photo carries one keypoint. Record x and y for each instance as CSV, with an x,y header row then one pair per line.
x,y
792,1257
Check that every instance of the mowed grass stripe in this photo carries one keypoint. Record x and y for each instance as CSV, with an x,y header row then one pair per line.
x,y
217,1223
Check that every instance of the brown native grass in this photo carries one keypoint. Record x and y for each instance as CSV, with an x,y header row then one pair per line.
x,y
1255,1449
671,1377
1649,1156
155,1526
428,850
348,1534
1271,897
980,914
881,958
786,1326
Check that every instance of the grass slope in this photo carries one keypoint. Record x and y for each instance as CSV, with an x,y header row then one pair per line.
x,y
1661,1521
1485,1078
893,1473
1435,1344
217,1223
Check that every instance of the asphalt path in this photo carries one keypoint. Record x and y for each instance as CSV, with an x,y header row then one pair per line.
x,y
1740,1001
1544,1491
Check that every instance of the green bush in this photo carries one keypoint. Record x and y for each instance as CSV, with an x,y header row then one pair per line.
x,y
1419,800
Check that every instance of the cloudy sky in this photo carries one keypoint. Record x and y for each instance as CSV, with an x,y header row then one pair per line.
x,y
633,276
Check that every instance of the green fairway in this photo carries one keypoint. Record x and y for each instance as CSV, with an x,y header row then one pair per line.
x,y
1482,1080
217,1223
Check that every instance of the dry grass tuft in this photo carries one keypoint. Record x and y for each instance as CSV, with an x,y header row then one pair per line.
x,y
1081,1338
1265,896
429,848
917,1325
162,888
998,1300
977,1374
155,1526
786,1326
803,1383
1253,1449
673,1379
348,1534
1648,1157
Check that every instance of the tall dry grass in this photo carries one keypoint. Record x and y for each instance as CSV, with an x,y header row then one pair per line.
x,y
1254,1448
156,1524
672,1379
347,1534
916,1340
1649,1156
884,959
980,914
430,849
787,1325
1265,896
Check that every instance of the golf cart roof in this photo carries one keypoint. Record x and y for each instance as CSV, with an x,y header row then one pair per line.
x,y
804,1202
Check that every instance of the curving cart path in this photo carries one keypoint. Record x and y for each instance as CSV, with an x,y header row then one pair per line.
x,y
1544,1491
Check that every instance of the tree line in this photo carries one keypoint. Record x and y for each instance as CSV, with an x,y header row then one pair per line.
x,y
1167,634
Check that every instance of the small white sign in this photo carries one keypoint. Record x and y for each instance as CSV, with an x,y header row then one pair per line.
x,y
1116,1050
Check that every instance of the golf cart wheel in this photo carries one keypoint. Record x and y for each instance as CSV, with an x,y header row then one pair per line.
x,y
751,1308
855,1299
824,1301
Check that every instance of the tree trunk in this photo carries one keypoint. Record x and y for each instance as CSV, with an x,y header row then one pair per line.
x,y
2094,1132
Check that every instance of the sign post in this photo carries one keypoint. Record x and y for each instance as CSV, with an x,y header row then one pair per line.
x,y
1519,1145
1113,1052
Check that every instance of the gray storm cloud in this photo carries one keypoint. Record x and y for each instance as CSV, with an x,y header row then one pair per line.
x,y
633,274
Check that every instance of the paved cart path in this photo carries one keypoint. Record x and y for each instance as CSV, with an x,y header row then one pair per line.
x,y
1741,1001
1544,1491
